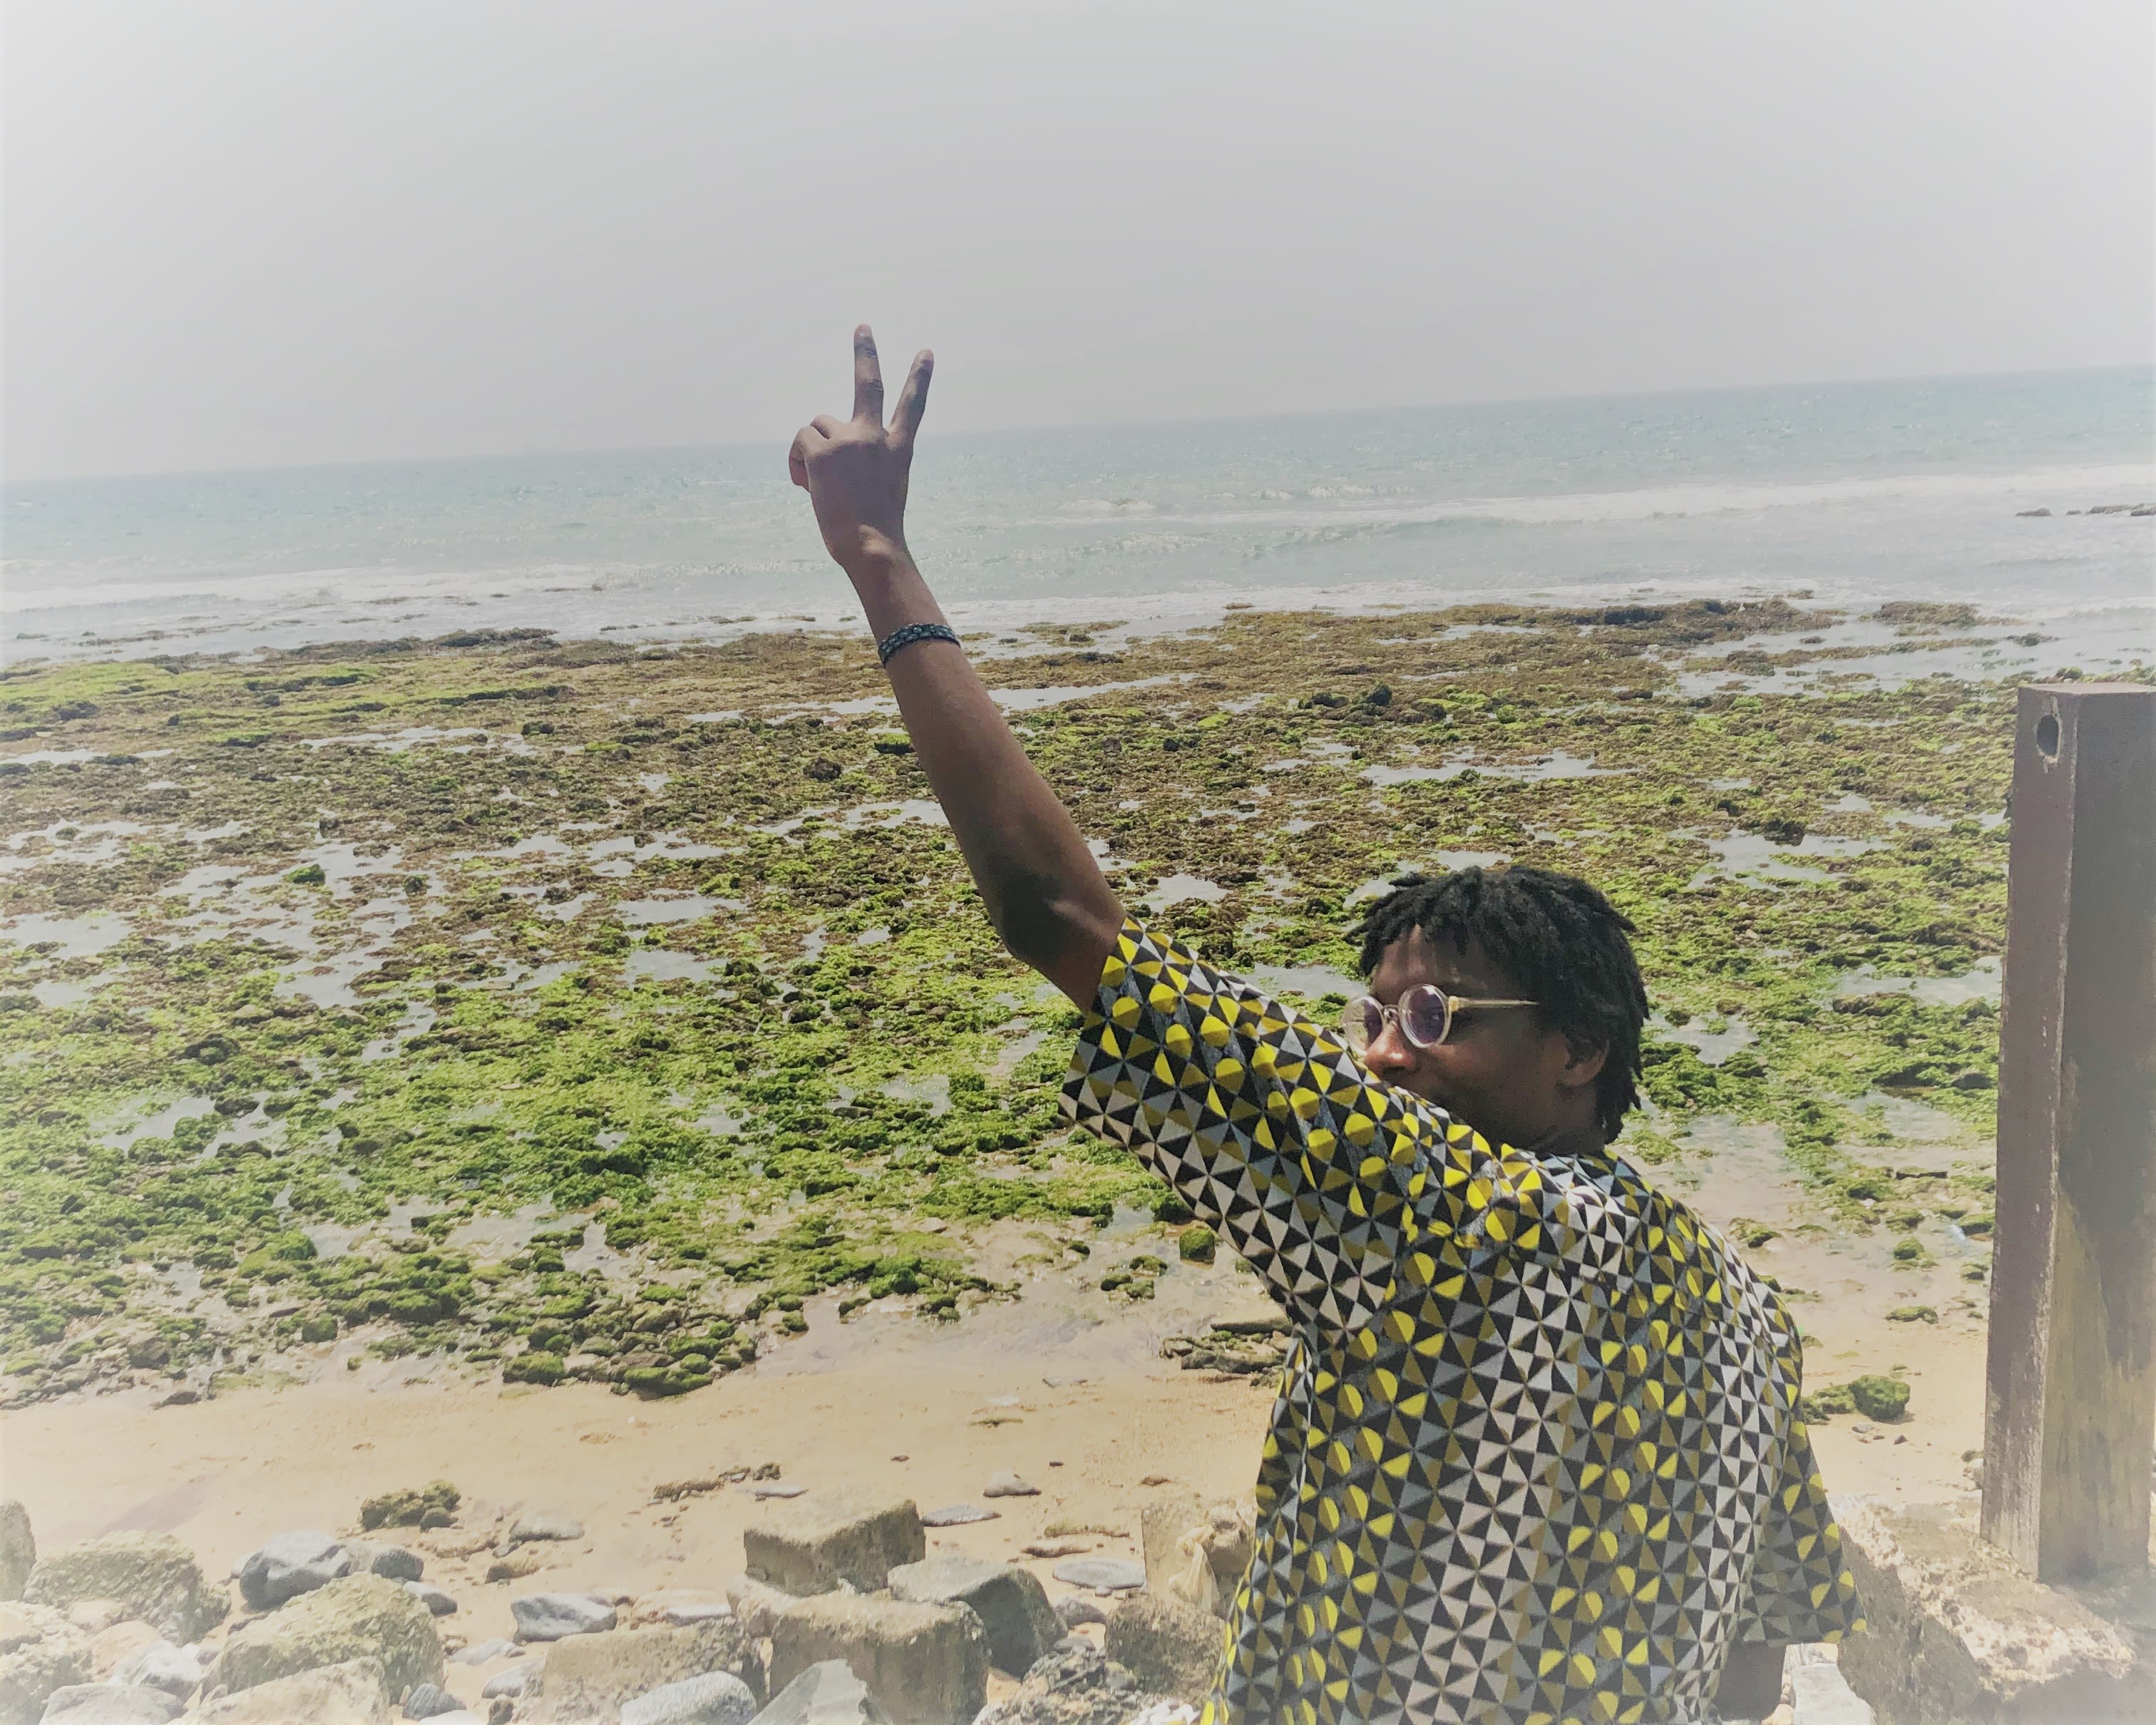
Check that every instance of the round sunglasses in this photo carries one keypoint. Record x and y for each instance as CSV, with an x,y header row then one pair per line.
x,y
1425,1015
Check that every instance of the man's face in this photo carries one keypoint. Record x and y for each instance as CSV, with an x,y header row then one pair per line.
x,y
1501,1071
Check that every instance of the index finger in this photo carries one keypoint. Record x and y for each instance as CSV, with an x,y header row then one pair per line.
x,y
868,377
912,399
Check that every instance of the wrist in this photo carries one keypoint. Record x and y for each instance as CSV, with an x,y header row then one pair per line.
x,y
878,559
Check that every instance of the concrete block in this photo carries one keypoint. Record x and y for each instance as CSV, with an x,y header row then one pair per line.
x,y
1167,1644
1955,1634
592,1676
812,1543
928,1665
1010,1602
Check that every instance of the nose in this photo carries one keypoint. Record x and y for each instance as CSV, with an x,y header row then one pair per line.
x,y
1391,1053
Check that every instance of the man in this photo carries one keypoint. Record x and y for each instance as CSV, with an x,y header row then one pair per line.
x,y
1536,1455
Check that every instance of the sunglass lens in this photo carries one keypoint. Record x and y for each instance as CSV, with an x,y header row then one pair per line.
x,y
1364,1021
1426,1016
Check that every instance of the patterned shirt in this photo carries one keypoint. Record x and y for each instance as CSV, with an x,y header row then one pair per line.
x,y
1536,1455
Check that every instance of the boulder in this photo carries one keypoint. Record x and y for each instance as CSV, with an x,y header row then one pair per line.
x,y
433,1597
40,1651
18,1550
152,1576
1166,1643
353,1618
715,1698
349,1692
1010,1602
111,1648
371,1557
1075,1685
928,1665
827,1693
812,1544
555,1617
596,1673
428,1701
1010,1485
161,1666
289,1565
109,1704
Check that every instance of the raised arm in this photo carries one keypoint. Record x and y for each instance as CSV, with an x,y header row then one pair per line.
x,y
1045,894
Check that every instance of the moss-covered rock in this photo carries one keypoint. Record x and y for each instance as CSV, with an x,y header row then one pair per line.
x,y
355,1617
152,1576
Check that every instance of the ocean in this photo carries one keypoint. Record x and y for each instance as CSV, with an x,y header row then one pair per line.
x,y
1852,492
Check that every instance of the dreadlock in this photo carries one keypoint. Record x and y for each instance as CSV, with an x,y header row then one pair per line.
x,y
1560,939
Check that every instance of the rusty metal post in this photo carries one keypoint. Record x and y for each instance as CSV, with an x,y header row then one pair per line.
x,y
2070,1393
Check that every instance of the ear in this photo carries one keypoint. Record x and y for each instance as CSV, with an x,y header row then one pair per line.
x,y
1582,1063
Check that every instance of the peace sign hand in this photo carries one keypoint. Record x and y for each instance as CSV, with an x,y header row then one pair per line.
x,y
855,471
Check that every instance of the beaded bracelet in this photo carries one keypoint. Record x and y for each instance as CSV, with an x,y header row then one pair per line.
x,y
901,638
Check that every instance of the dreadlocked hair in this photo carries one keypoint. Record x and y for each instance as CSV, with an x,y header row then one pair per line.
x,y
1560,939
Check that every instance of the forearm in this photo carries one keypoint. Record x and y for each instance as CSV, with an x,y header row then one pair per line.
x,y
1044,892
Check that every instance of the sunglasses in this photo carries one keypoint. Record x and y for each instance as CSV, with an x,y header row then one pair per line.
x,y
1425,1015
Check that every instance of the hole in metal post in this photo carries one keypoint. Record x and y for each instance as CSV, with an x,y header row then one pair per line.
x,y
2047,736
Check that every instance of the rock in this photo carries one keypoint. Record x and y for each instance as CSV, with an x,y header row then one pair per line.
x,y
109,1704
526,1528
758,1606
1073,1685
428,1700
1073,1609
811,1545
1010,1485
1166,1643
289,1565
412,1508
113,1647
18,1550
715,1698
678,1608
959,1515
152,1576
596,1673
1196,1553
40,1651
161,1666
928,1665
516,1566
355,1617
92,1617
480,1652
1104,1575
1879,1397
512,1683
553,1617
827,1693
1010,1601
394,1561
349,1692
433,1597
1955,1631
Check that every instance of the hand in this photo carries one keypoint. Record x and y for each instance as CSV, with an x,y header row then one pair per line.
x,y
855,472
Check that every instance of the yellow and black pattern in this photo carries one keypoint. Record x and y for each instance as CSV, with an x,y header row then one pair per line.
x,y
1537,1457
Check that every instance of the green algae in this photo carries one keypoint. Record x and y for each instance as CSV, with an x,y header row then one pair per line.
x,y
446,933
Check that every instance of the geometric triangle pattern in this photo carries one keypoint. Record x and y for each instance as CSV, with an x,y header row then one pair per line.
x,y
1536,1457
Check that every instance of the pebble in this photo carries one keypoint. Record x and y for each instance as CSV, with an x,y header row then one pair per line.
x,y
1103,1575
1010,1485
289,1565
432,1597
958,1515
427,1700
713,1698
776,1491
550,1617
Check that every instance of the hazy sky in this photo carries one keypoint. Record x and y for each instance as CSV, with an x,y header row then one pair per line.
x,y
241,234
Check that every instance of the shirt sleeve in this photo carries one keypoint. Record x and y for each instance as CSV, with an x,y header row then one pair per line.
x,y
1272,1131
1802,1590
